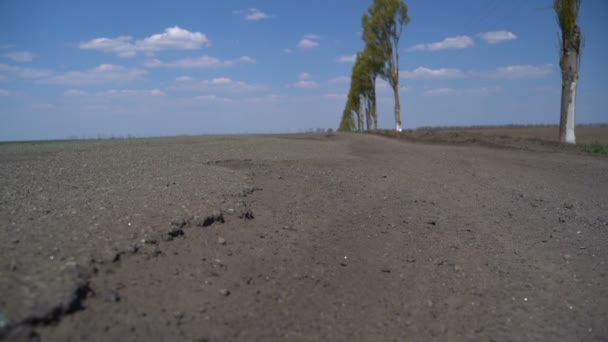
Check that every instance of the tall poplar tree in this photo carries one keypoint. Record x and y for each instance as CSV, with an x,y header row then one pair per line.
x,y
570,57
383,25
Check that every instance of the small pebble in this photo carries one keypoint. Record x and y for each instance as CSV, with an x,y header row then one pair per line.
x,y
114,297
221,240
225,292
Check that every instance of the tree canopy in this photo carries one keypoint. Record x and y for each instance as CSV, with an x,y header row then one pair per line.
x,y
382,28
567,15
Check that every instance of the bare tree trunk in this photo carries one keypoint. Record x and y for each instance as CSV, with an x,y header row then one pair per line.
x,y
374,107
568,112
567,122
368,115
375,113
397,108
395,83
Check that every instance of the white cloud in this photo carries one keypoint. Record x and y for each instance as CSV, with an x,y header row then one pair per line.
x,y
426,73
264,99
347,59
339,79
212,98
247,60
28,73
184,79
20,56
309,41
272,98
4,92
458,42
518,72
218,84
104,73
439,91
460,91
142,92
305,81
307,44
382,84
117,93
497,36
304,76
305,84
173,38
122,46
74,92
254,14
220,81
198,62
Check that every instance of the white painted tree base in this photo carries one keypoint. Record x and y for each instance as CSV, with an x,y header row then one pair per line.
x,y
571,121
570,137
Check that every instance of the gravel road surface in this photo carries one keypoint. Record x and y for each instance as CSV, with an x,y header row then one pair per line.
x,y
341,237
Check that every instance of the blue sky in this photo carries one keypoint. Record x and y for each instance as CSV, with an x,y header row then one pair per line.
x,y
148,68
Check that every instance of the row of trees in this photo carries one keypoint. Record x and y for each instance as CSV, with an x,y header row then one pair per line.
x,y
382,28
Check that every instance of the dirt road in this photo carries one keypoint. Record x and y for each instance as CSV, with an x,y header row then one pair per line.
x,y
301,237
